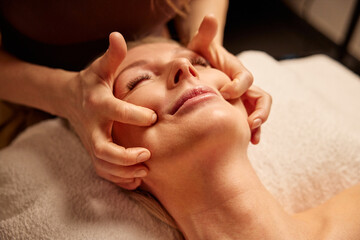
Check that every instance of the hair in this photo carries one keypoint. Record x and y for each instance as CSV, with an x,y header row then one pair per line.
x,y
152,205
181,11
149,40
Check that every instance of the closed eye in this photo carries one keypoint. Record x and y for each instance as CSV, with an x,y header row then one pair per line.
x,y
199,61
133,83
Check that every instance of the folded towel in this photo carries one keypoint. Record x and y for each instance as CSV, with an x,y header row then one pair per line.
x,y
310,146
309,151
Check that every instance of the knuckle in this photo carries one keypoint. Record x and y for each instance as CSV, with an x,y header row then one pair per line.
x,y
98,149
266,96
249,77
91,100
124,111
127,161
129,157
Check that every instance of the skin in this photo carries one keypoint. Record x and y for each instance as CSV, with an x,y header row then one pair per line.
x,y
199,168
204,44
85,98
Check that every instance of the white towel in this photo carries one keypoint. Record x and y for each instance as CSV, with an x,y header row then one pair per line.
x,y
309,151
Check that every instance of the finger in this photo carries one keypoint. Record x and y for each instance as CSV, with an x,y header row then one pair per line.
x,y
138,170
262,102
115,179
107,65
132,185
238,86
255,136
104,148
128,113
205,34
126,183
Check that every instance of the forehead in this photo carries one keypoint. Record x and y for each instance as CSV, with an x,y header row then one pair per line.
x,y
155,50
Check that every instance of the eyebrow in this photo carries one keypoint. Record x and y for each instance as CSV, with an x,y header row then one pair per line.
x,y
144,62
133,65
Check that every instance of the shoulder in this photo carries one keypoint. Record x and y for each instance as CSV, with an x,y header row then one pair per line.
x,y
336,219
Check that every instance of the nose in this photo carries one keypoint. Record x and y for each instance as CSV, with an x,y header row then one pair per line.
x,y
181,70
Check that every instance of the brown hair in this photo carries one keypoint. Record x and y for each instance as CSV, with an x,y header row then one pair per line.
x,y
181,8
152,205
149,40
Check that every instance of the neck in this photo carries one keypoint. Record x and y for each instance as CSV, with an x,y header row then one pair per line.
x,y
229,203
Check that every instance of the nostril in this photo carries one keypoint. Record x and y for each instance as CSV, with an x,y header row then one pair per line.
x,y
177,76
192,72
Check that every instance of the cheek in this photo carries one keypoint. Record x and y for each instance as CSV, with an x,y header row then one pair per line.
x,y
150,95
146,96
214,78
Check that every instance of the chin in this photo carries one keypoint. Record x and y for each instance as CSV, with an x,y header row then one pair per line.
x,y
222,124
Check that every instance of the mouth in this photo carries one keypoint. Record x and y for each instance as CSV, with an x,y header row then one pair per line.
x,y
194,95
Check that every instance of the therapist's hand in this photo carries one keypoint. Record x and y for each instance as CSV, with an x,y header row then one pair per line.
x,y
94,110
204,44
258,104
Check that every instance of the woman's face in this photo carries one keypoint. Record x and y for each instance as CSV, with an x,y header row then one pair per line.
x,y
194,120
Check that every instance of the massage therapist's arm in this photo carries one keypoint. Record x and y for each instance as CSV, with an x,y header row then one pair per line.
x,y
86,99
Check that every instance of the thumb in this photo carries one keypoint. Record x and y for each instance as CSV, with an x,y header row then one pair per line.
x,y
106,66
205,35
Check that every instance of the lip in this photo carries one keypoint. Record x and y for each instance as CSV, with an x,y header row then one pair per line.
x,y
199,93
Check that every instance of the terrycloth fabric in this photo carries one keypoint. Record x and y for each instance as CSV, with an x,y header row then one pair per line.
x,y
48,190
310,146
310,150
15,118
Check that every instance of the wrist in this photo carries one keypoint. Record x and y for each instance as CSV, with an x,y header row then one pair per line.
x,y
63,97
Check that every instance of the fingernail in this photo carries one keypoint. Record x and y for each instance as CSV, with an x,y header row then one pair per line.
x,y
143,157
153,118
257,123
140,173
225,95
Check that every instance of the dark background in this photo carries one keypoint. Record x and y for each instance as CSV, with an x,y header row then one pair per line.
x,y
270,26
